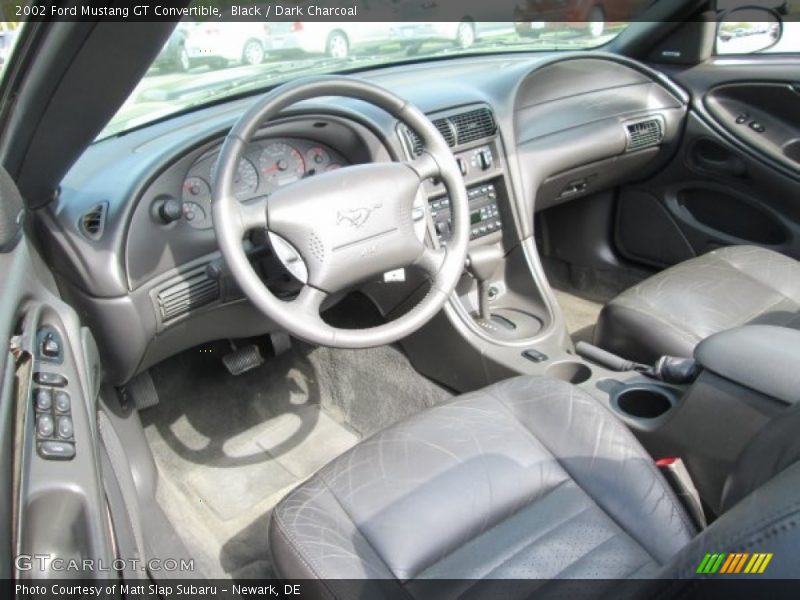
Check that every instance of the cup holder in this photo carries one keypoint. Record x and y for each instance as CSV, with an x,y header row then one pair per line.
x,y
644,402
569,371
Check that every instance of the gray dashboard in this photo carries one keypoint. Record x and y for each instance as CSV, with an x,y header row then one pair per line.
x,y
551,118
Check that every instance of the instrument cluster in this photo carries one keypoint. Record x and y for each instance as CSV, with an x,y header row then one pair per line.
x,y
267,165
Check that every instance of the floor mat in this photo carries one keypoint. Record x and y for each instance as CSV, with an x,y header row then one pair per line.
x,y
229,448
580,315
581,292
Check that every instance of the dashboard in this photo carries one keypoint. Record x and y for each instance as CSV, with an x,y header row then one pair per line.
x,y
561,127
268,164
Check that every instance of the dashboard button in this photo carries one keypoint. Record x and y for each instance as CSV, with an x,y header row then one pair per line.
x,y
757,127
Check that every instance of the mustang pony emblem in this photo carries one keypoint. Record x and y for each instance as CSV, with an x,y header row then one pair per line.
x,y
356,217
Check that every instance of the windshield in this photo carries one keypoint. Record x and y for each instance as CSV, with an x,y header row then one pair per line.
x,y
205,61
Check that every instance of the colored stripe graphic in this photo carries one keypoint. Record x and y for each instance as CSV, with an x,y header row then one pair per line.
x,y
734,563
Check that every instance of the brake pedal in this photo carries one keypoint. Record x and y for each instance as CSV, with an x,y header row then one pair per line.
x,y
281,342
243,359
141,391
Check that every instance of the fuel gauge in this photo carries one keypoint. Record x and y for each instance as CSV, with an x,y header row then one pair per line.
x,y
318,159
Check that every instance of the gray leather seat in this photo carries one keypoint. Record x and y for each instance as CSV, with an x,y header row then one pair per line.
x,y
529,478
672,311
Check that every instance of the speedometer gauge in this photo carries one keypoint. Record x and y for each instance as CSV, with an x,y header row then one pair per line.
x,y
281,164
245,183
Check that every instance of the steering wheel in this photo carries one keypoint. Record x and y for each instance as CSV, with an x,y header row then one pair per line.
x,y
347,225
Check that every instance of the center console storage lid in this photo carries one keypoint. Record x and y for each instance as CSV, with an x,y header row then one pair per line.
x,y
764,358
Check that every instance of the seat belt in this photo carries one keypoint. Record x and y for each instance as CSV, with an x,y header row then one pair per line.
x,y
674,471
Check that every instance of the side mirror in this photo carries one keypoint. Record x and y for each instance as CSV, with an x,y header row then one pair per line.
x,y
748,29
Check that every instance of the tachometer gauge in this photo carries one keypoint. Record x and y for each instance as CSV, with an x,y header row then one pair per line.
x,y
317,159
245,182
281,164
333,167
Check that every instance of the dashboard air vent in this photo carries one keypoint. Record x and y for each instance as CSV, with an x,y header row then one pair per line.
x,y
645,133
93,222
192,291
473,125
444,127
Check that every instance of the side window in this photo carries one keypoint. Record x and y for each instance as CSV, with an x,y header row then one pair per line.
x,y
769,27
8,36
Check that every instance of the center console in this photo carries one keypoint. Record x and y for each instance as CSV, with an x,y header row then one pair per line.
x,y
484,213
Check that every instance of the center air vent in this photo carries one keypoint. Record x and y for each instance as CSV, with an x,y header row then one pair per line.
x,y
93,222
443,125
644,133
192,290
473,125
457,129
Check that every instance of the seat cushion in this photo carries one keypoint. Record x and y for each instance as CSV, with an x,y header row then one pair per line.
x,y
528,478
669,313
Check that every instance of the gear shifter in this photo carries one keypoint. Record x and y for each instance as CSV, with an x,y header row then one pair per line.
x,y
482,262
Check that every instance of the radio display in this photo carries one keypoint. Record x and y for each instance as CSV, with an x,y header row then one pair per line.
x,y
475,217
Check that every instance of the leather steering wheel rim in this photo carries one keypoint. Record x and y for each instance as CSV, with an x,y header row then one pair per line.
x,y
348,225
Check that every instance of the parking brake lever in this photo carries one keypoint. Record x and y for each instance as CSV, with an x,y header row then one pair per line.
x,y
669,369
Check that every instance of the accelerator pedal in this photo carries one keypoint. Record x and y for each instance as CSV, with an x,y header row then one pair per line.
x,y
243,359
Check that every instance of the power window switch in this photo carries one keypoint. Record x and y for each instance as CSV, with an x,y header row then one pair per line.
x,y
65,430
44,426
757,127
62,402
44,399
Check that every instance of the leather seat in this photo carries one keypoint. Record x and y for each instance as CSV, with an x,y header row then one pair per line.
x,y
529,478
671,312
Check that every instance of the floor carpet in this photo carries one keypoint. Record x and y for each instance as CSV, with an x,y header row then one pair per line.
x,y
229,448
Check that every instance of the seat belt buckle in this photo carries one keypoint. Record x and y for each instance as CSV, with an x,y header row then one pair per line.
x,y
674,471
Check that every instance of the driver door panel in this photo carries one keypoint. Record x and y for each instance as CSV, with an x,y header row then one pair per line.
x,y
55,498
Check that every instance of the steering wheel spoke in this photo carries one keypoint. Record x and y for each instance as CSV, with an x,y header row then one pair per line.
x,y
425,166
431,261
308,302
253,213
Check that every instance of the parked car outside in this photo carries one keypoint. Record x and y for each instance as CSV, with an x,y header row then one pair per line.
x,y
7,39
334,39
173,55
214,44
533,17
463,34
